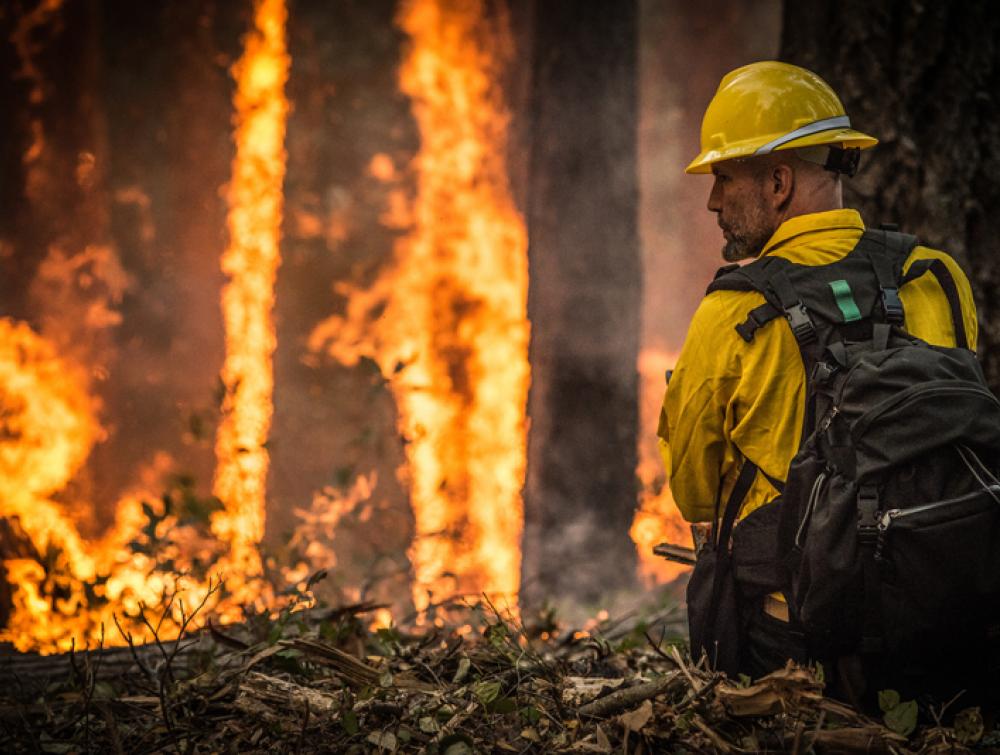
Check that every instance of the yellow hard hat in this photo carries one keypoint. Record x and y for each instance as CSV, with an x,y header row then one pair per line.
x,y
770,106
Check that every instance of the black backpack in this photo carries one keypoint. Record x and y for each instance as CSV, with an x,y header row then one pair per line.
x,y
888,525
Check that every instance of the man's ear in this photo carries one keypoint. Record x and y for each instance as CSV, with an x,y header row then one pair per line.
x,y
780,185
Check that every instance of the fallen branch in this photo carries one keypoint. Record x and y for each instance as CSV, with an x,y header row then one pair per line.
x,y
277,696
627,698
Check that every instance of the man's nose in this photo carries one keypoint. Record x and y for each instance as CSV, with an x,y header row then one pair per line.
x,y
715,198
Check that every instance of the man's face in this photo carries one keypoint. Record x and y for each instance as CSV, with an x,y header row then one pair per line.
x,y
738,198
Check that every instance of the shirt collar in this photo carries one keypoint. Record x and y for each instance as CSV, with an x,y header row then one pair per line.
x,y
815,222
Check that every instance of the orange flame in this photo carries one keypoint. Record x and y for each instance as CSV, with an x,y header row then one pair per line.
x,y
657,519
47,429
251,262
454,332
71,590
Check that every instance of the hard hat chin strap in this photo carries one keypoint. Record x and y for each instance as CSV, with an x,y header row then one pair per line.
x,y
833,157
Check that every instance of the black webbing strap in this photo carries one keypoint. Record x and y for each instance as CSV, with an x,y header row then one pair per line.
x,y
725,270
868,512
946,281
871,626
730,278
880,336
883,262
722,532
795,312
757,319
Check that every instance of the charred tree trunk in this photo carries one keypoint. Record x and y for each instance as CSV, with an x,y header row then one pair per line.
x,y
583,302
924,79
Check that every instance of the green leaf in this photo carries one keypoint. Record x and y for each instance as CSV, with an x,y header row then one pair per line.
x,y
819,673
274,634
428,725
501,705
456,744
349,722
464,664
888,699
902,719
531,714
486,692
385,741
969,726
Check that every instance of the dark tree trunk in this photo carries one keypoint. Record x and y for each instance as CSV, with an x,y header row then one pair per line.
x,y
924,79
583,302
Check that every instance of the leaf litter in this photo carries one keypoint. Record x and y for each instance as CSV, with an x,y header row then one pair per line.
x,y
480,681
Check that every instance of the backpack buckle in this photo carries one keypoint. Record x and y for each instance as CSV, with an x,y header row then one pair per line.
x,y
822,372
868,515
802,326
892,305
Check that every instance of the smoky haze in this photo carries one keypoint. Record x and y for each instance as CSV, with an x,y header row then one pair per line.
x,y
113,164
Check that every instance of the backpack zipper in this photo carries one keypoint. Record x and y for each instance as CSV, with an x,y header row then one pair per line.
x,y
893,514
827,420
901,399
810,505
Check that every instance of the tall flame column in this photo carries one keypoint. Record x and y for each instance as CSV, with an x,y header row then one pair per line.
x,y
464,409
447,320
251,263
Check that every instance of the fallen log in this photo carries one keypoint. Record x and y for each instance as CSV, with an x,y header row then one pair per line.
x,y
34,670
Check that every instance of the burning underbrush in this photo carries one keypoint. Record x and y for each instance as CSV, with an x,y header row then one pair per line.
x,y
319,679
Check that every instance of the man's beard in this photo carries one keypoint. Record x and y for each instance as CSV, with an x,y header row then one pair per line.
x,y
747,242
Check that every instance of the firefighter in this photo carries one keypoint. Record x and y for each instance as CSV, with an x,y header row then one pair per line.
x,y
778,142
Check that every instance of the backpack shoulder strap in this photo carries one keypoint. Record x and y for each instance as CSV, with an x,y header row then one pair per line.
x,y
887,250
946,281
767,277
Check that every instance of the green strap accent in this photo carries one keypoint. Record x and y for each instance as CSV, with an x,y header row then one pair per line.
x,y
845,300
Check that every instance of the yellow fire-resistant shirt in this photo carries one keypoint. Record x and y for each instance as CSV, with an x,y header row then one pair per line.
x,y
726,394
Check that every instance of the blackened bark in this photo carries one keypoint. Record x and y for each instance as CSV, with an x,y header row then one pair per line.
x,y
923,78
583,302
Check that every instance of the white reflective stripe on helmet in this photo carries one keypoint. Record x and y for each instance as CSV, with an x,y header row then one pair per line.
x,y
827,124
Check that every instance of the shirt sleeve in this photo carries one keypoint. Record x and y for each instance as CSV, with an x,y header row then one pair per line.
x,y
692,427
928,315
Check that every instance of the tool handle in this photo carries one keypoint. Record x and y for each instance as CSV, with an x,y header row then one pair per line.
x,y
677,553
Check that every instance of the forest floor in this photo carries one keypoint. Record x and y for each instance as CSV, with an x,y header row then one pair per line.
x,y
470,680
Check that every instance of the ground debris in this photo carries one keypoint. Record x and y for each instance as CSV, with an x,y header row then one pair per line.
x,y
478,682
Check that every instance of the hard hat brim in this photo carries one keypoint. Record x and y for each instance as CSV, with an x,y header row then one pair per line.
x,y
845,137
